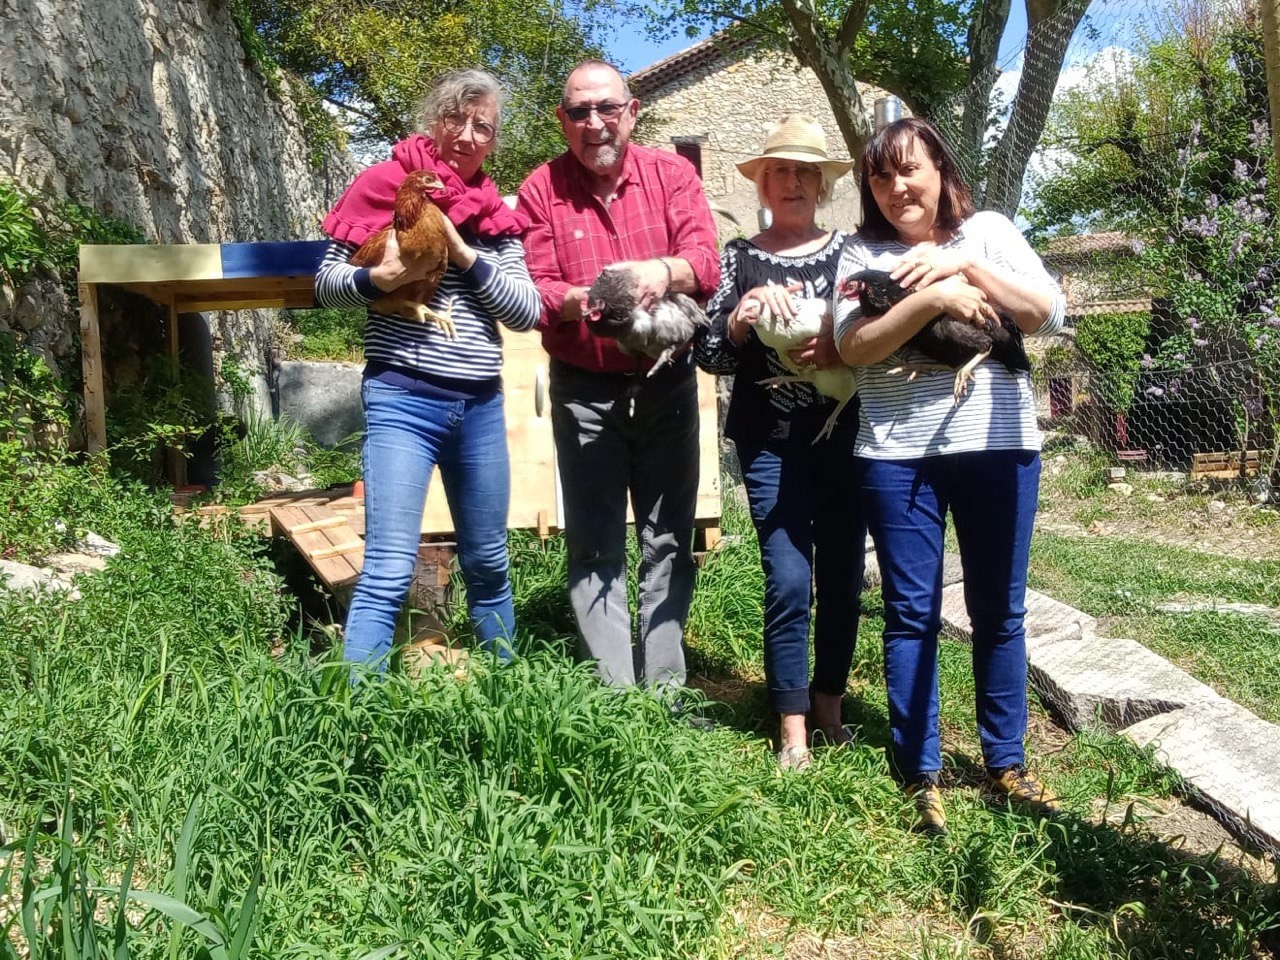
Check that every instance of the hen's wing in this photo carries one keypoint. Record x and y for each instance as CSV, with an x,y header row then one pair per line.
x,y
1008,346
371,252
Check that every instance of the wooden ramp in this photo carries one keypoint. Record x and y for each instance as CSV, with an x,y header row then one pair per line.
x,y
328,533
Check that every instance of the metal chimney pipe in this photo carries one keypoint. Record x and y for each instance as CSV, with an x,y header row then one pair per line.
x,y
887,110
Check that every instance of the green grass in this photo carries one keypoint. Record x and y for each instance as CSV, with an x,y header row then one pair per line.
x,y
328,334
150,743
1122,581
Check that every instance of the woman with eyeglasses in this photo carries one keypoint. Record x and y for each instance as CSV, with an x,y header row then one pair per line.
x,y
431,399
810,528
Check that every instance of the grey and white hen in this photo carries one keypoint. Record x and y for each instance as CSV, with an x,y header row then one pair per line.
x,y
614,308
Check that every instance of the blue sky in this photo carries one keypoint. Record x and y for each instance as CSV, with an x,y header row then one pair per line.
x,y
631,49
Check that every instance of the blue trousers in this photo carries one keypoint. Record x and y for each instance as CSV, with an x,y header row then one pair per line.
x,y
809,520
616,433
406,436
991,496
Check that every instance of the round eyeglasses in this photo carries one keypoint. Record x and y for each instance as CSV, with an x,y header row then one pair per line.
x,y
481,132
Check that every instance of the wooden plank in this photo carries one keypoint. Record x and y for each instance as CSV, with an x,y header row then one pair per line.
x,y
95,406
1223,465
149,263
338,549
332,550
321,524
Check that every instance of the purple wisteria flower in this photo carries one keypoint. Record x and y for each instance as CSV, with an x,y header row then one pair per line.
x,y
1146,362
1154,391
1201,226
1137,246
1260,138
1240,170
1212,202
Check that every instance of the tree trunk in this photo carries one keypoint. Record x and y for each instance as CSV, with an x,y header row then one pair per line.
x,y
818,53
984,46
1050,27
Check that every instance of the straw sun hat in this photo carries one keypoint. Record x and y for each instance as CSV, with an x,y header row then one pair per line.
x,y
800,139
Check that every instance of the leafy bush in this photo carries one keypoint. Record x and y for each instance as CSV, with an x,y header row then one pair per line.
x,y
1112,344
39,234
329,334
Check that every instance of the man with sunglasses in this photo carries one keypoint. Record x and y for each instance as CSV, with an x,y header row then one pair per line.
x,y
608,202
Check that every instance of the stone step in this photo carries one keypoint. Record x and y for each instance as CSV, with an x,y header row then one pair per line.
x,y
1228,759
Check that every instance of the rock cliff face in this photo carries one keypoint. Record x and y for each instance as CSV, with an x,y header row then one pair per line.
x,y
150,111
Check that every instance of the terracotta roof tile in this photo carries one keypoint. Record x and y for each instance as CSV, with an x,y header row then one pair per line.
x,y
719,46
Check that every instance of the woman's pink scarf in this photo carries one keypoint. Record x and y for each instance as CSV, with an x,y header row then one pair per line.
x,y
370,201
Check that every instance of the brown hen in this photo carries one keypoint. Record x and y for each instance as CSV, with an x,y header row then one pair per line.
x,y
420,233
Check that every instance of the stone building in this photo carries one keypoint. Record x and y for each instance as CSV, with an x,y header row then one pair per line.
x,y
715,102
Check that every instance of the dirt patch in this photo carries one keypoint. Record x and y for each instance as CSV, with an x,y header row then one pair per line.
x,y
1080,499
1190,831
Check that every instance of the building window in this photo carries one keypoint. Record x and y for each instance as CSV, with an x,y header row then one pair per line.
x,y
691,152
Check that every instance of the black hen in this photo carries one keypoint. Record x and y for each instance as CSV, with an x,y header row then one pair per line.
x,y
614,309
952,343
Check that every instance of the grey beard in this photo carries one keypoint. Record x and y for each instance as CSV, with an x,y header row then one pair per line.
x,y
607,156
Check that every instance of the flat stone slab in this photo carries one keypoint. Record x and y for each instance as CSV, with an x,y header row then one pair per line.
x,y
951,570
1228,758
1047,620
22,577
1087,679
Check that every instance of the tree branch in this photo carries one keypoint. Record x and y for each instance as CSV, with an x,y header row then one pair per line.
x,y
850,26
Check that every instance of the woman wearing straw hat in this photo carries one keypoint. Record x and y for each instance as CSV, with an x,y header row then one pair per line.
x,y
798,490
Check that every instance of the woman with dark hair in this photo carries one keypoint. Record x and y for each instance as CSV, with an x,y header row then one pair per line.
x,y
430,398
920,454
811,531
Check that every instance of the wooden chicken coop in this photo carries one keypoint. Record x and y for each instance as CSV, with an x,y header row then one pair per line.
x,y
187,278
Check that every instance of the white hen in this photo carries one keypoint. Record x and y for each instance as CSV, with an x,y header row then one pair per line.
x,y
782,336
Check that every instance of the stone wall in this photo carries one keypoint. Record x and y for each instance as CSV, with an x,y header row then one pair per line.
x,y
728,106
150,111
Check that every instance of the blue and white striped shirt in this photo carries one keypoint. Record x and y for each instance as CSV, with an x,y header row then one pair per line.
x,y
496,289
904,419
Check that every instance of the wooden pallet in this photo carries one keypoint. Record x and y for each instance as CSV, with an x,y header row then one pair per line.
x,y
1223,466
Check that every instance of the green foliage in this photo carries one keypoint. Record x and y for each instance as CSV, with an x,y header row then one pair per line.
x,y
1176,152
167,743
377,60
1112,344
322,132
31,417
167,407
329,334
36,234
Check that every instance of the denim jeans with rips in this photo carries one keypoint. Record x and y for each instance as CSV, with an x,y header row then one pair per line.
x,y
616,433
991,496
406,436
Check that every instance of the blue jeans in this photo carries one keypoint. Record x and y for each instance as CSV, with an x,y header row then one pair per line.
x,y
616,432
992,499
808,517
406,435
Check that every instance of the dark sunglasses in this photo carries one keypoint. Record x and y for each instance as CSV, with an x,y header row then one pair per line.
x,y
605,111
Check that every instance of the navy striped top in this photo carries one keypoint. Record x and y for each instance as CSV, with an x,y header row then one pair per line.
x,y
495,289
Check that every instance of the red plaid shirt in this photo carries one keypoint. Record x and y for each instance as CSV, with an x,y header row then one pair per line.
x,y
659,211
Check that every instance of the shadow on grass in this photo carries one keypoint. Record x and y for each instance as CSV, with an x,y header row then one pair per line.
x,y
1115,891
